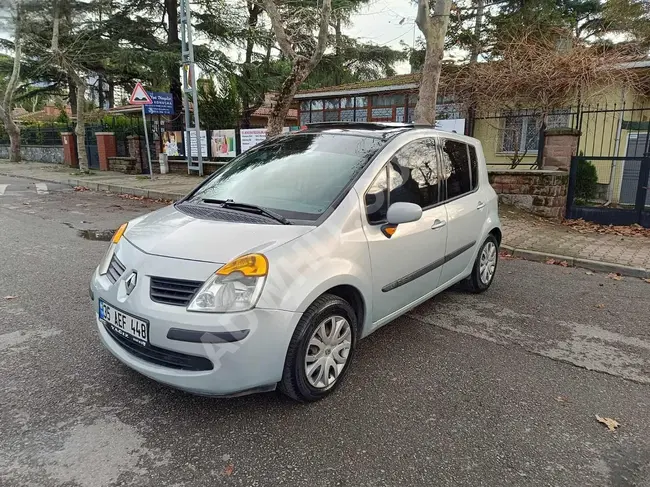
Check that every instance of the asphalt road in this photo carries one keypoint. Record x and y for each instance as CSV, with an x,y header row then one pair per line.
x,y
498,389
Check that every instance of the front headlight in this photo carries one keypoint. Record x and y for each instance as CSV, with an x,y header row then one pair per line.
x,y
106,261
236,286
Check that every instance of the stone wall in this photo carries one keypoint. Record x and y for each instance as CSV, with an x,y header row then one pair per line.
x,y
126,165
52,154
542,193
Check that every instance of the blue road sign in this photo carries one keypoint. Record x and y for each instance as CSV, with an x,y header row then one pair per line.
x,y
162,104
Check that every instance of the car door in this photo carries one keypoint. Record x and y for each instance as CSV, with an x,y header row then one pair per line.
x,y
465,205
407,264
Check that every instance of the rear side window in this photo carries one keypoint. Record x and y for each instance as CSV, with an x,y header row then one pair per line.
x,y
456,168
473,162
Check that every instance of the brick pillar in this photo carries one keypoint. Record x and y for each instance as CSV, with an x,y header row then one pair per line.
x,y
560,145
106,147
69,149
135,150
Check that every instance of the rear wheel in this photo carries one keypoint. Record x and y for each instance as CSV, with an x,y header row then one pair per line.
x,y
320,350
485,266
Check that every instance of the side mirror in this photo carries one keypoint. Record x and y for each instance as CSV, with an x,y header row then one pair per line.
x,y
403,213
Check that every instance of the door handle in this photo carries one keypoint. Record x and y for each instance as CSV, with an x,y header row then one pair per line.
x,y
480,205
438,224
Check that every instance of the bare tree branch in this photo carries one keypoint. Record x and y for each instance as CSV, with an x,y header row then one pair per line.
x,y
278,29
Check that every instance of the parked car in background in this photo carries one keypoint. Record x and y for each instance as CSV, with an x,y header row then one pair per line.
x,y
271,270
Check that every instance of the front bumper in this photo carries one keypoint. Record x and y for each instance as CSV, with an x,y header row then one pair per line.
x,y
251,359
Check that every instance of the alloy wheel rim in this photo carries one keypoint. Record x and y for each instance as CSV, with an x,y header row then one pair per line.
x,y
328,351
488,262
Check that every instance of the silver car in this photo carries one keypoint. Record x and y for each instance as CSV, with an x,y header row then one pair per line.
x,y
268,274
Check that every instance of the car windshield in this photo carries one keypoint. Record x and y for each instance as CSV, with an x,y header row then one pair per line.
x,y
297,176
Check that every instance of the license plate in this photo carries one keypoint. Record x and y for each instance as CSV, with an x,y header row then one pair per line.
x,y
124,324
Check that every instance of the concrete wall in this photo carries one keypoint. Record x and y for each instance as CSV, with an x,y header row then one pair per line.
x,y
542,193
52,154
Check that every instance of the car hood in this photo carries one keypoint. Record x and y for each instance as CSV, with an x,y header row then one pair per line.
x,y
169,233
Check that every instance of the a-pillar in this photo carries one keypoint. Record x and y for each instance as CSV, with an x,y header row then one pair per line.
x,y
69,149
106,147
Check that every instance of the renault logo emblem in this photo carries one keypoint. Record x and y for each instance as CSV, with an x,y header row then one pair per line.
x,y
130,282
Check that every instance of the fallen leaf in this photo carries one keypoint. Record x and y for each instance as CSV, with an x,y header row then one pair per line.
x,y
609,422
621,231
564,263
616,276
647,280
562,399
10,297
80,188
230,468
589,273
551,261
601,306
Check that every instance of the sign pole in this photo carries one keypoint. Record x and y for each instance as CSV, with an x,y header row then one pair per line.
x,y
146,138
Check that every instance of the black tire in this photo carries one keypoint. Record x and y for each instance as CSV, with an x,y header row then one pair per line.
x,y
474,282
294,381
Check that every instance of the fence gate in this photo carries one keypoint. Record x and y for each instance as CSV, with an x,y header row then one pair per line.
x,y
91,146
590,199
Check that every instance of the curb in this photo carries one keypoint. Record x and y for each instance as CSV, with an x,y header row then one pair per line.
x,y
93,186
592,265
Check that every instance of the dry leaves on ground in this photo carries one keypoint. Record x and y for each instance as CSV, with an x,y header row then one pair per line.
x,y
562,399
612,424
582,226
504,254
562,263
647,280
81,188
600,306
230,468
10,297
615,275
143,198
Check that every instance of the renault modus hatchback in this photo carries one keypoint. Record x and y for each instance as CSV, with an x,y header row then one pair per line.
x,y
271,270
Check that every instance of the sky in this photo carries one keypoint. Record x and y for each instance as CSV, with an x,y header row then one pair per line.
x,y
386,22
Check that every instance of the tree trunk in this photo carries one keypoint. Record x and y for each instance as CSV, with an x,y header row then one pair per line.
x,y
6,108
301,65
248,104
173,71
101,96
111,93
72,96
80,128
434,29
299,73
478,27
338,50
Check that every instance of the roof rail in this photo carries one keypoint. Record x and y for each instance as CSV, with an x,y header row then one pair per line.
x,y
359,125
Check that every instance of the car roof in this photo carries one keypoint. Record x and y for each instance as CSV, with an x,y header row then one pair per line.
x,y
380,130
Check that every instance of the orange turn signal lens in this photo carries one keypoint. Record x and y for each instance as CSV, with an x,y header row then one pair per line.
x,y
388,230
119,233
252,265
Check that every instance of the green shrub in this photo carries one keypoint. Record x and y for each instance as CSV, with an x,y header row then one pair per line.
x,y
586,180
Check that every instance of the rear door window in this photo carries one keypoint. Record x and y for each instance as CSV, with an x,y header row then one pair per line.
x,y
456,168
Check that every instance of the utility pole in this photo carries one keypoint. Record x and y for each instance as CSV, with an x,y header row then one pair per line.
x,y
189,89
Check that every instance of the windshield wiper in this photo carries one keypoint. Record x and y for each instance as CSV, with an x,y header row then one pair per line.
x,y
249,209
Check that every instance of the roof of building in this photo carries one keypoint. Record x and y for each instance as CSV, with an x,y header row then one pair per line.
x,y
401,82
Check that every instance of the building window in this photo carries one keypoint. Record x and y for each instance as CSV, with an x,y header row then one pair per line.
x,y
520,132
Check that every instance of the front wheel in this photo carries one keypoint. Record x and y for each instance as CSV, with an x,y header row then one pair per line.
x,y
485,266
320,350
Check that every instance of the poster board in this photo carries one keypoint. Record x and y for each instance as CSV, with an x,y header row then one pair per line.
x,y
222,143
192,143
171,143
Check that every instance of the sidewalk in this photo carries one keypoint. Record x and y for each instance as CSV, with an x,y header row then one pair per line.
x,y
535,238
525,236
167,186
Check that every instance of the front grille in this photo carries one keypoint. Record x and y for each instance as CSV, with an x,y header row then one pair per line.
x,y
115,270
161,356
177,292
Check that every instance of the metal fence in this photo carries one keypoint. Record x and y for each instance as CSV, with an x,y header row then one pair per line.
x,y
41,134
